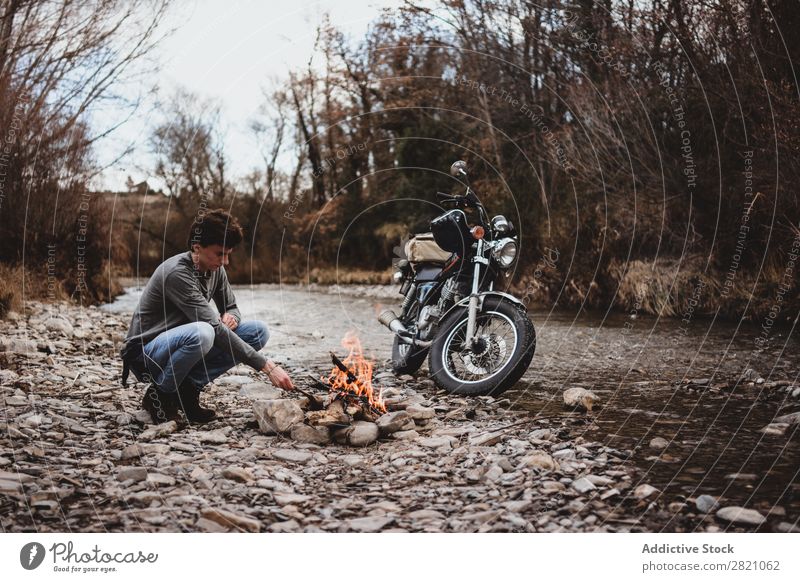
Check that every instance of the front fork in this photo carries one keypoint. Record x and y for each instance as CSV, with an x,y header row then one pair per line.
x,y
479,260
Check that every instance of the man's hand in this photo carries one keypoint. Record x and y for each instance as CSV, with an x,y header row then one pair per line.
x,y
277,376
229,321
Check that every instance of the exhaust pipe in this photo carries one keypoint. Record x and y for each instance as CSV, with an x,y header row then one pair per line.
x,y
390,320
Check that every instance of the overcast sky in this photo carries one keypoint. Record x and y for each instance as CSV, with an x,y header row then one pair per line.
x,y
229,50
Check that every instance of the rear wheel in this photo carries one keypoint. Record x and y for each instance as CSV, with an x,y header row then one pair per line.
x,y
406,359
506,341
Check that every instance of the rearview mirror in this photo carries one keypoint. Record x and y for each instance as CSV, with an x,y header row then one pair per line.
x,y
458,169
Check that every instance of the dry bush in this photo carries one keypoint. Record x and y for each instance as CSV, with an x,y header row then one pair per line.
x,y
18,285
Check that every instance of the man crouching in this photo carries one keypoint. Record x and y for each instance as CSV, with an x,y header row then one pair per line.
x,y
177,343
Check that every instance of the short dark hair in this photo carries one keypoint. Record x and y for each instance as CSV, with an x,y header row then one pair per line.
x,y
215,227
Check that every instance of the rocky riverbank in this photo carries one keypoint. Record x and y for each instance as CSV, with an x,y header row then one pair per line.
x,y
78,454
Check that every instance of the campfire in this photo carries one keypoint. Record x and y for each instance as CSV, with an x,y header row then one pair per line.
x,y
352,377
353,411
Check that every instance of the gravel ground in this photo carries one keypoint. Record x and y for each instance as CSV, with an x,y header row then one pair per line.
x,y
78,454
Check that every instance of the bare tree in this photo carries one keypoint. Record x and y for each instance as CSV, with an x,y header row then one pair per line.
x,y
189,149
59,61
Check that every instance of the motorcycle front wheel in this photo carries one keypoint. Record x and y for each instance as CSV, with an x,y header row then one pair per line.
x,y
506,341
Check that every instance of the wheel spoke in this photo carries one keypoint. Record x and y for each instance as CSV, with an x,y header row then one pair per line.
x,y
493,330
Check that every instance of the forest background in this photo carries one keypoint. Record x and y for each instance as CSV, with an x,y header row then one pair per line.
x,y
647,151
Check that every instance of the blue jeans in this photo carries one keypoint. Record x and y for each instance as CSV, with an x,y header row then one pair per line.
x,y
188,351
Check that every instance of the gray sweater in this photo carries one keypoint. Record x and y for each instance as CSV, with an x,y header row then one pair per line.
x,y
177,294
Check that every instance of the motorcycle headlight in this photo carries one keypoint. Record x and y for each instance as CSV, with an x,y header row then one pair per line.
x,y
505,252
501,225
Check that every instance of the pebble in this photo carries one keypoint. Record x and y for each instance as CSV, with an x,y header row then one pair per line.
x,y
241,474
132,473
600,480
486,439
741,516
290,498
231,520
659,443
292,455
583,485
405,435
609,494
214,436
706,503
645,492
368,524
539,460
60,325
442,442
419,412
580,398
159,430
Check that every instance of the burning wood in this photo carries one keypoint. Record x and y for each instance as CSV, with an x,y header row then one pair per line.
x,y
351,378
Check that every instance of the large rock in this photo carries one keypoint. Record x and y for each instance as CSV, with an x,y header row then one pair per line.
x,y
580,398
419,412
741,516
260,391
277,416
538,460
59,325
392,422
315,435
790,419
359,434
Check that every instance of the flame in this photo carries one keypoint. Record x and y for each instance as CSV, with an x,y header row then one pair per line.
x,y
361,369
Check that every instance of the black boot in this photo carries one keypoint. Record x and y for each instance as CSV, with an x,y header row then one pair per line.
x,y
161,405
189,401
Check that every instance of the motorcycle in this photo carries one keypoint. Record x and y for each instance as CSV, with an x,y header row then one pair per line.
x,y
478,340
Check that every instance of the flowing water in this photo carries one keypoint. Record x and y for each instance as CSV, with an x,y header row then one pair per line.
x,y
655,378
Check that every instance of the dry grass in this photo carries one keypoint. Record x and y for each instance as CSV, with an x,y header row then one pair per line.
x,y
18,285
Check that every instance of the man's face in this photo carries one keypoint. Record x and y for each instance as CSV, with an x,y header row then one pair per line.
x,y
212,257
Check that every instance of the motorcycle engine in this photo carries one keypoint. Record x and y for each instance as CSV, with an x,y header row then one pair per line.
x,y
427,320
